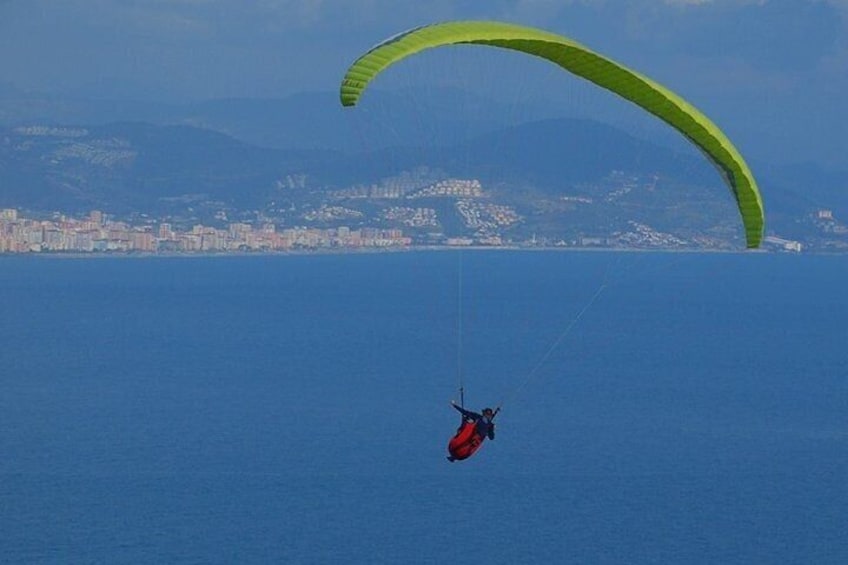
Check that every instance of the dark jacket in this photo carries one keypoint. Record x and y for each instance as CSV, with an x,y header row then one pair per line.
x,y
485,426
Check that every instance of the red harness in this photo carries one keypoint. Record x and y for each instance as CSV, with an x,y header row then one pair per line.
x,y
465,442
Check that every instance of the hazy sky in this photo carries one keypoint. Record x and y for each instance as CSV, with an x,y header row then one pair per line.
x,y
772,72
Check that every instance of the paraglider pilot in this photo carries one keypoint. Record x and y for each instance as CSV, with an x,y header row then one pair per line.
x,y
483,422
474,429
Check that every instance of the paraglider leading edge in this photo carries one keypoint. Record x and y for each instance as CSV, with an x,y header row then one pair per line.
x,y
583,62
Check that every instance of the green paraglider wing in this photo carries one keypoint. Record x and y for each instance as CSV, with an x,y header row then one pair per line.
x,y
585,63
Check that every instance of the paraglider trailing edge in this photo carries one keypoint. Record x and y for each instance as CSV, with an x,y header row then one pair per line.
x,y
585,63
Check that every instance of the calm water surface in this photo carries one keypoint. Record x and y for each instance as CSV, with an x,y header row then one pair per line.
x,y
295,409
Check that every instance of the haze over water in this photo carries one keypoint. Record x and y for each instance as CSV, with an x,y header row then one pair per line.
x,y
295,408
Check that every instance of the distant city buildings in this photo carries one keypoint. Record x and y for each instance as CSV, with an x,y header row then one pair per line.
x,y
98,234
451,188
642,235
784,244
413,186
412,217
420,207
485,217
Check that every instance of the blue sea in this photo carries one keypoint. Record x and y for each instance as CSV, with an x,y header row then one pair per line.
x,y
656,408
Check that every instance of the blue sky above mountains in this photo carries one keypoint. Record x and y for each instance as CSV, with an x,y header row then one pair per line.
x,y
774,71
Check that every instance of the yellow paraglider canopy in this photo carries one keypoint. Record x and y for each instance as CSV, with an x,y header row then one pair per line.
x,y
581,61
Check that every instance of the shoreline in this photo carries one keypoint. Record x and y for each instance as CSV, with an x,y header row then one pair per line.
x,y
75,255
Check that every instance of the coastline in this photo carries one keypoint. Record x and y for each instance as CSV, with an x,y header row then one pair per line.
x,y
75,255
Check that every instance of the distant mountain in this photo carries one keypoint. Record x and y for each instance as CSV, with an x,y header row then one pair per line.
x,y
553,152
134,166
811,184
195,172
301,121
